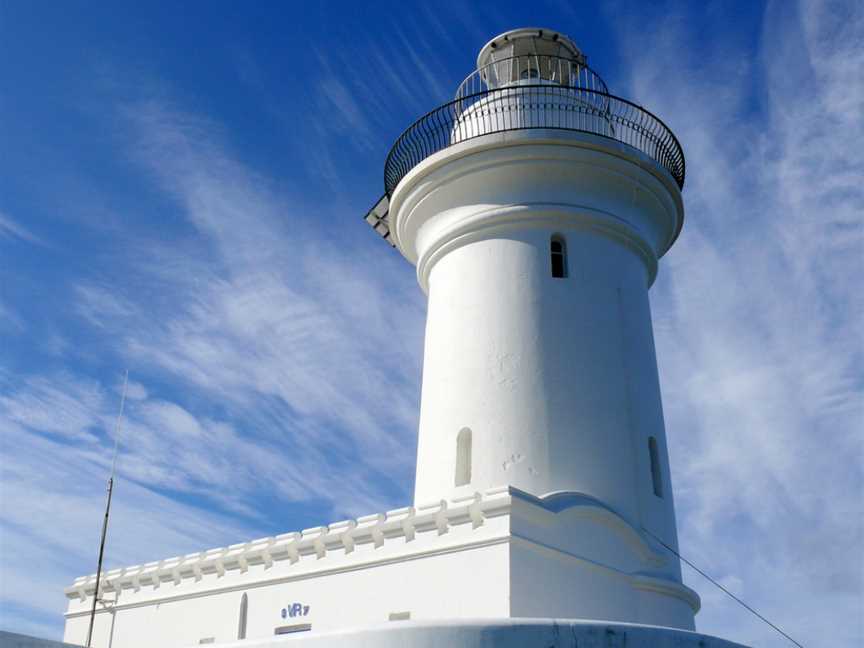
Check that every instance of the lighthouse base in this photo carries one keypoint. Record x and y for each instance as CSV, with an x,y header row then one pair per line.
x,y
500,554
497,633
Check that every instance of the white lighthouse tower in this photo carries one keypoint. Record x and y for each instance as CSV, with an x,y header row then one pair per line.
x,y
536,206
536,230
536,236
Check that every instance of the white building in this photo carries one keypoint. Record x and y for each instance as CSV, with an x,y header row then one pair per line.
x,y
535,206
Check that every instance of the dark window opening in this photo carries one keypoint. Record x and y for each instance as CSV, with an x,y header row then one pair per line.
x,y
558,251
656,477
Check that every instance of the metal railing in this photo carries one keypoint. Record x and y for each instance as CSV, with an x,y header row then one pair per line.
x,y
537,67
545,105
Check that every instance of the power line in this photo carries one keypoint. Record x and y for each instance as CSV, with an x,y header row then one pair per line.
x,y
730,594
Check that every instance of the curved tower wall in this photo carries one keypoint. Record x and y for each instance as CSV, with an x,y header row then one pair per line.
x,y
556,378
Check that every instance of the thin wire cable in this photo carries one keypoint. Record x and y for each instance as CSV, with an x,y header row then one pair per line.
x,y
722,588
119,420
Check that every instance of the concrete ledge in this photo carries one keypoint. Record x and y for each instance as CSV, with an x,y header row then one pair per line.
x,y
495,633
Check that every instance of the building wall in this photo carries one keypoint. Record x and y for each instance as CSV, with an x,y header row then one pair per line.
x,y
433,567
455,585
499,554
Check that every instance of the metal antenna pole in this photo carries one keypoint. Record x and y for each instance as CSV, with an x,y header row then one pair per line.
x,y
107,510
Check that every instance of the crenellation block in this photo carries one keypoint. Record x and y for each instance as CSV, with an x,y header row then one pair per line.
x,y
312,542
285,547
339,536
431,516
460,512
398,523
257,552
368,530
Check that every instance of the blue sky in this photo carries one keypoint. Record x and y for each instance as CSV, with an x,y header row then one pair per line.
x,y
181,194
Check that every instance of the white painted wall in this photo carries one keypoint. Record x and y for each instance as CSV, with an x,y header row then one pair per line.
x,y
545,372
453,567
555,377
499,554
338,600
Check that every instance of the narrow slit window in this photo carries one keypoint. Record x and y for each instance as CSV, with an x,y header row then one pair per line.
x,y
558,251
244,611
656,477
463,457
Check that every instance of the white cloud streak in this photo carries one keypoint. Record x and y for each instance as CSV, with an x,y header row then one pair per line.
x,y
49,531
9,228
296,335
266,361
758,318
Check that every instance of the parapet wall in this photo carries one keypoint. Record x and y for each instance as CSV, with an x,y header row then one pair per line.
x,y
317,543
497,554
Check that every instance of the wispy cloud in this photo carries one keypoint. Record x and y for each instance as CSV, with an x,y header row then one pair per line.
x,y
50,523
10,319
266,363
269,321
62,405
757,321
12,229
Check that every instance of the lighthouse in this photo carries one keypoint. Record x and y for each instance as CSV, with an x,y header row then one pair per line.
x,y
536,206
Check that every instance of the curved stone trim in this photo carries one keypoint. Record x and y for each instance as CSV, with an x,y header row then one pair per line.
x,y
501,633
666,587
560,501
